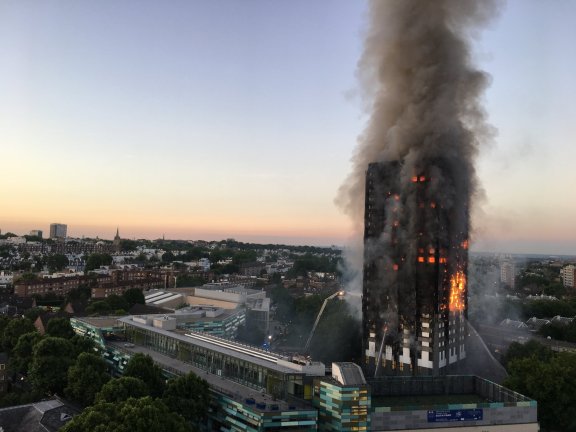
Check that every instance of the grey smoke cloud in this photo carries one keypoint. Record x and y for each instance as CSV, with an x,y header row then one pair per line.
x,y
422,93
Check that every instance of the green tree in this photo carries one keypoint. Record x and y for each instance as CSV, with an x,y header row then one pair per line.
x,y
244,256
81,294
547,309
23,351
82,344
52,357
134,296
532,348
60,327
121,389
128,245
28,276
56,262
116,302
13,330
168,257
552,383
100,307
309,262
97,260
143,367
85,378
225,269
33,313
134,415
188,396
4,321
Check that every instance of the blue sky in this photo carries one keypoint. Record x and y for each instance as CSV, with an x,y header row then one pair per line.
x,y
220,118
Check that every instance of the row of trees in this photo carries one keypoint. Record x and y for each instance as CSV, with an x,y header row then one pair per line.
x,y
308,262
38,365
63,363
116,304
140,401
547,377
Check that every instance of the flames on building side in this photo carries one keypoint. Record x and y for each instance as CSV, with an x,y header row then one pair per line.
x,y
415,264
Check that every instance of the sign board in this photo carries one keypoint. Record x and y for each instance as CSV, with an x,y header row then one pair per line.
x,y
455,415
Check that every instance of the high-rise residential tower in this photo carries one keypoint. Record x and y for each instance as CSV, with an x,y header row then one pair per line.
x,y
58,230
415,266
508,271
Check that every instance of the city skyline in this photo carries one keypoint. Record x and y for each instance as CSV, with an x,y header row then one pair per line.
x,y
214,120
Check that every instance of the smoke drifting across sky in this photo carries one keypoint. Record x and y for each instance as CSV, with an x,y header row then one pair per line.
x,y
420,88
422,94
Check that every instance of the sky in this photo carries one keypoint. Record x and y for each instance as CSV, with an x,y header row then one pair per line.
x,y
211,119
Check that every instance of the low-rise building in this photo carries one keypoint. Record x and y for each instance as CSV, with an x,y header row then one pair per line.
x,y
103,284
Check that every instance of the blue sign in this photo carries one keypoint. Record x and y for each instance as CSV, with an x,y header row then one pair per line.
x,y
455,415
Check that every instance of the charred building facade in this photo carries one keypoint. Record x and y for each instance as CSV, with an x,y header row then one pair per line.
x,y
415,267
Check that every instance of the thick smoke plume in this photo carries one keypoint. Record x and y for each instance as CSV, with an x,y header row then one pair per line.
x,y
422,93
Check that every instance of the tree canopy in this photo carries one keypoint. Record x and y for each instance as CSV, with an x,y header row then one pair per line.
x,y
52,357
134,296
56,262
96,260
133,415
121,389
552,383
143,367
60,327
23,351
86,377
14,329
188,396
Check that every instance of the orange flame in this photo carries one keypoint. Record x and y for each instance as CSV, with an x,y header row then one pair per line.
x,y
457,291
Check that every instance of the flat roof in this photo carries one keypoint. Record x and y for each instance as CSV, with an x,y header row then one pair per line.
x,y
191,317
427,400
351,373
233,349
165,299
100,322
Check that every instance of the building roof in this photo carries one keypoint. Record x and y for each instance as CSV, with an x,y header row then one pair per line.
x,y
244,352
562,320
347,373
512,323
537,322
141,309
49,415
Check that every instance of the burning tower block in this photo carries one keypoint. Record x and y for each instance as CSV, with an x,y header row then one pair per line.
x,y
415,266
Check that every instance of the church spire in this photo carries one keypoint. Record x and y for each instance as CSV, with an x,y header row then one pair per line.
x,y
117,241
